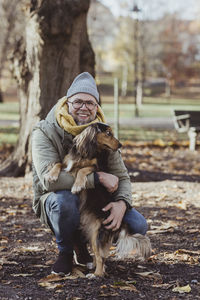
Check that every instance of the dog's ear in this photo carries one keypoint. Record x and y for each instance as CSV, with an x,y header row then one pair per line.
x,y
102,127
86,143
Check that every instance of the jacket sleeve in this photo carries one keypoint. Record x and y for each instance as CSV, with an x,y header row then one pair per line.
x,y
45,155
116,167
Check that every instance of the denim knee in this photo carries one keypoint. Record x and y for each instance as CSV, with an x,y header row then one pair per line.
x,y
136,221
64,202
62,209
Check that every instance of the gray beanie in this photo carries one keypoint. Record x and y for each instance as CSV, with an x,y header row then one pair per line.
x,y
83,83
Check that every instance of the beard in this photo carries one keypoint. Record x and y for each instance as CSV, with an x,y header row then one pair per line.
x,y
83,122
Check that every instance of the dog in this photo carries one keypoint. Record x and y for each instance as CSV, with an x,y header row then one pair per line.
x,y
89,153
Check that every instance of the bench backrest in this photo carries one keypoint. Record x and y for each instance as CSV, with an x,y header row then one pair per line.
x,y
184,119
194,116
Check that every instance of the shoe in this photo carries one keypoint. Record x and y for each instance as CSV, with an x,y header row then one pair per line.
x,y
82,256
63,265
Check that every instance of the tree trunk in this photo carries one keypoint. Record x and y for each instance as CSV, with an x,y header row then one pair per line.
x,y
55,50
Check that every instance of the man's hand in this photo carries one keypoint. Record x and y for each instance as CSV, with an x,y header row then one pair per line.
x,y
117,211
109,181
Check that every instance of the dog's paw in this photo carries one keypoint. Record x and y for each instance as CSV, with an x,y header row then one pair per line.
x,y
77,189
50,177
91,276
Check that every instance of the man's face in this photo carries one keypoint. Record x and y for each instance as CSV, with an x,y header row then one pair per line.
x,y
84,114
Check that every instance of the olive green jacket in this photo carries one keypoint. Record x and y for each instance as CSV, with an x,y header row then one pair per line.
x,y
50,143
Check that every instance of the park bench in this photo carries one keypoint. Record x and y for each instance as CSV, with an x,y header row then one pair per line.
x,y
188,121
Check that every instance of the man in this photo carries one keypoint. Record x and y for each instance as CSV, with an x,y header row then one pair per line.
x,y
54,203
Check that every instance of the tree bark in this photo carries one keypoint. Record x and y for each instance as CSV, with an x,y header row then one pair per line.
x,y
55,50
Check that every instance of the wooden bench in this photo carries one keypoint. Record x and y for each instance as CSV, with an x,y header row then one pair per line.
x,y
188,121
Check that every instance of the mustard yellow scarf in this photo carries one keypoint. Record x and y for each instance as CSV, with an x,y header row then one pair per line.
x,y
66,121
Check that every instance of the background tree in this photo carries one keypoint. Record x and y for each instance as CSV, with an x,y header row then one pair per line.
x,y
11,24
55,49
102,29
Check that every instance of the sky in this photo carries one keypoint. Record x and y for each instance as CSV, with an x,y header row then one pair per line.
x,y
189,9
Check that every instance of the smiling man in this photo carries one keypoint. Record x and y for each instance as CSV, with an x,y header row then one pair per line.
x,y
83,108
54,203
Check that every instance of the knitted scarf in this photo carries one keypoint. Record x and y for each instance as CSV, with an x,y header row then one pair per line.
x,y
66,121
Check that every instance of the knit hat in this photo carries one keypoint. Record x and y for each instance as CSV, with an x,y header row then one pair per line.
x,y
83,83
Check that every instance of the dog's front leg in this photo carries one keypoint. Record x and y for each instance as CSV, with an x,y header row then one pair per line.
x,y
81,179
53,174
100,268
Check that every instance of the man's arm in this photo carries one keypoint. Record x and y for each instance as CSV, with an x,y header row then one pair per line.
x,y
117,209
45,155
109,181
120,185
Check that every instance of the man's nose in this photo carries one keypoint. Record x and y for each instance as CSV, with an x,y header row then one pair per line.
x,y
84,106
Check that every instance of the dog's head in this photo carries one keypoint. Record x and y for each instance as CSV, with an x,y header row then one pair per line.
x,y
96,137
105,138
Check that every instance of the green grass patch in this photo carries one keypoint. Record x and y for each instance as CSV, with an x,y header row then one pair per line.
x,y
9,135
153,100
9,111
145,110
145,134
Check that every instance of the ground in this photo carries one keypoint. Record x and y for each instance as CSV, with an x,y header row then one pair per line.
x,y
166,191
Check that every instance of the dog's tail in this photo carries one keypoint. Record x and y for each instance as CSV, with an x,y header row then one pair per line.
x,y
135,246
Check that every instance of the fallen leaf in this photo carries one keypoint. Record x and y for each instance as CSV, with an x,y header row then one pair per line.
x,y
159,142
22,275
52,281
3,218
192,230
119,283
53,278
30,249
151,275
163,285
120,267
188,251
77,273
128,288
108,295
175,257
4,261
50,285
182,289
144,274
103,286
125,285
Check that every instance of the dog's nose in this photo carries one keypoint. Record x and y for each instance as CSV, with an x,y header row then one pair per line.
x,y
120,145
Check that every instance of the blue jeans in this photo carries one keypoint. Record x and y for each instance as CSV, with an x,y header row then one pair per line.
x,y
62,209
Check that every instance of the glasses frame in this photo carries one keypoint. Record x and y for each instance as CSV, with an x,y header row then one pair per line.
x,y
83,102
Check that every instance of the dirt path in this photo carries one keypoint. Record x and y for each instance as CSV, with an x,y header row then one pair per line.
x,y
166,190
27,250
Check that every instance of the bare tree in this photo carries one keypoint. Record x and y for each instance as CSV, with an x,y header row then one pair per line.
x,y
55,50
10,32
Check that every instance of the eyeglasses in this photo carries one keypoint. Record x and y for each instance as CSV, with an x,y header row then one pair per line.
x,y
79,103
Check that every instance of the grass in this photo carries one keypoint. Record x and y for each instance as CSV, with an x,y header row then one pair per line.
x,y
9,111
148,134
152,107
146,110
8,135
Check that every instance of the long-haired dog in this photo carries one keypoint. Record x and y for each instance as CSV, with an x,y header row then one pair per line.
x,y
89,153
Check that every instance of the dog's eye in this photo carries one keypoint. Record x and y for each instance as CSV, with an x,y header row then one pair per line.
x,y
108,133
